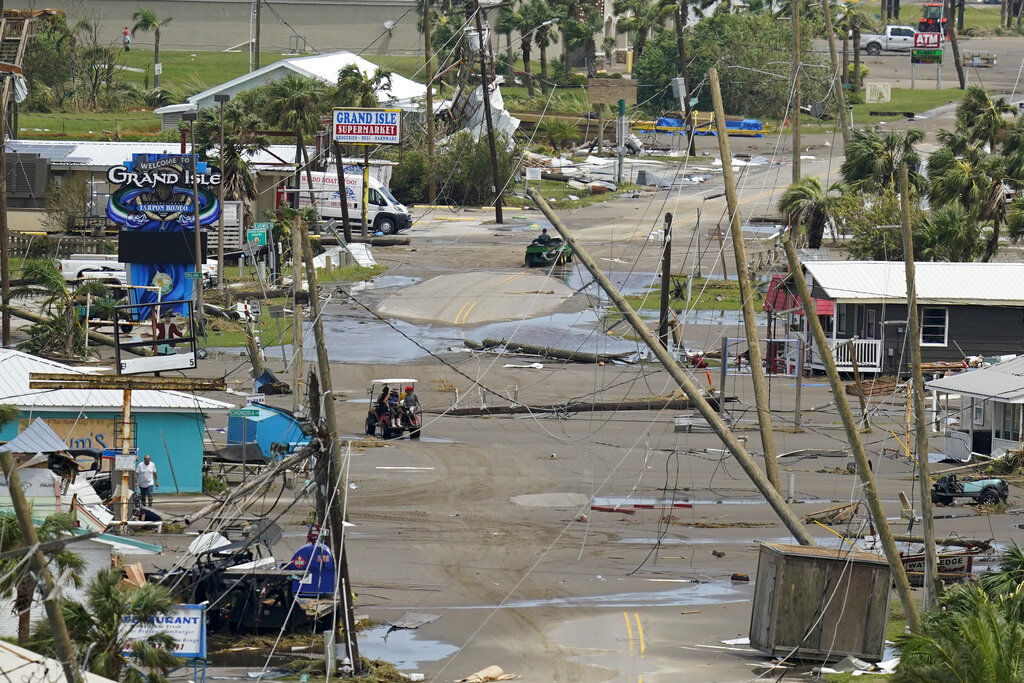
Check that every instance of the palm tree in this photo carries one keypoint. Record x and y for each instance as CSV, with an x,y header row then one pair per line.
x,y
873,159
146,21
97,627
63,329
982,118
526,23
975,180
295,103
505,25
356,89
808,202
948,233
21,584
581,33
642,18
544,35
558,134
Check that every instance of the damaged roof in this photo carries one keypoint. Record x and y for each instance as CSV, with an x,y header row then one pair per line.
x,y
1003,382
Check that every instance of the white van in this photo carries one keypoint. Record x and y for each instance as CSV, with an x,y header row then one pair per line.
x,y
385,213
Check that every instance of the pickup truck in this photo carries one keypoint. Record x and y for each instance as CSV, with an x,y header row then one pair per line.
x,y
106,268
895,39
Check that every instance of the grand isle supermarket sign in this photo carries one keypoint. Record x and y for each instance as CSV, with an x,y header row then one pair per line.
x,y
368,126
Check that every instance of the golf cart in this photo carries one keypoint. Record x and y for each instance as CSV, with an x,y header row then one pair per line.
x,y
985,491
388,411
552,251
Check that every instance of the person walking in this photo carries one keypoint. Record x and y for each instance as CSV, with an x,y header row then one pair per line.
x,y
126,39
146,472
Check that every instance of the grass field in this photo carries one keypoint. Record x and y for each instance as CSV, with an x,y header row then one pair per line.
x,y
131,125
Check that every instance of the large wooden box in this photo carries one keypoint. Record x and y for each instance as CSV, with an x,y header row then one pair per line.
x,y
824,604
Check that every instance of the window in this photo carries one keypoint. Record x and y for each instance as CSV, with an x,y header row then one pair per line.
x,y
376,199
934,326
1008,421
979,412
841,317
869,324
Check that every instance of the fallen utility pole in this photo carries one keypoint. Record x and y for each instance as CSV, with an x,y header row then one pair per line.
x,y
953,541
51,601
692,391
547,351
892,554
764,415
837,83
336,515
931,561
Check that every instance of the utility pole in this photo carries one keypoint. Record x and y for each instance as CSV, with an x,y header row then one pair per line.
x,y
795,4
336,514
222,98
298,336
200,254
867,477
692,391
764,415
256,38
496,185
840,78
51,600
620,128
428,68
931,567
339,167
681,16
666,274
5,239
948,11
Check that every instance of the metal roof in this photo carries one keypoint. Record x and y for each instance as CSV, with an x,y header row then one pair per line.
x,y
72,154
17,663
37,438
983,284
15,367
1003,382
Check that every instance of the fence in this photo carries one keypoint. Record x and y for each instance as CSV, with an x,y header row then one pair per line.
x,y
59,246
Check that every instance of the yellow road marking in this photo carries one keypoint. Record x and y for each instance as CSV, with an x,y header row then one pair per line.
x,y
629,631
460,312
640,633
511,278
469,310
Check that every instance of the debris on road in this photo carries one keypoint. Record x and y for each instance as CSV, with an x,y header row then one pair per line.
x,y
491,673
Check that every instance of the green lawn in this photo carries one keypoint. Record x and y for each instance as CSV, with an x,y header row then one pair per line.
x,y
558,194
986,17
903,100
194,71
89,126
707,294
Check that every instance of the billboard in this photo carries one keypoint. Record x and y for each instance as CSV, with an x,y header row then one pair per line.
x,y
185,623
367,126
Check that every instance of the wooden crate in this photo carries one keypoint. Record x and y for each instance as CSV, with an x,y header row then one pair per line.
x,y
822,603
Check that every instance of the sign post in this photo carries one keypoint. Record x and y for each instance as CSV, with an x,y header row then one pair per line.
x,y
367,127
927,50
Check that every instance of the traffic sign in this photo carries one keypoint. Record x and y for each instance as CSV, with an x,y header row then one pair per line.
x,y
263,226
193,275
928,40
926,57
257,236
244,412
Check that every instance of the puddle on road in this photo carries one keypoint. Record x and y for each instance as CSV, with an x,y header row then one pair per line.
x,y
710,593
626,282
384,282
405,648
823,541
630,502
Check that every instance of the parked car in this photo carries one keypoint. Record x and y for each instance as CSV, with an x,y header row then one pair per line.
x,y
895,39
107,269
989,491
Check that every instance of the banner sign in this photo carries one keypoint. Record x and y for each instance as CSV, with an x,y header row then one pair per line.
x,y
368,126
928,40
926,56
185,623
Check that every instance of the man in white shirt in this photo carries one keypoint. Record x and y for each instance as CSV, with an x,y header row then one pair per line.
x,y
146,472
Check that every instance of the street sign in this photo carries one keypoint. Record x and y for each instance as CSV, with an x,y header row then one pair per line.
x,y
256,398
193,275
257,236
532,173
244,412
125,461
926,57
263,226
276,312
928,40
158,69
368,126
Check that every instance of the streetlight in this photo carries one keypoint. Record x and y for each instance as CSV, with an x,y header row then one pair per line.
x,y
696,265
191,117
221,98
6,71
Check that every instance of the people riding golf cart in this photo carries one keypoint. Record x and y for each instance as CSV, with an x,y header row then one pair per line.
x,y
394,411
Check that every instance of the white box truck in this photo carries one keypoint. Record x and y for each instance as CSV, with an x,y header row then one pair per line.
x,y
385,214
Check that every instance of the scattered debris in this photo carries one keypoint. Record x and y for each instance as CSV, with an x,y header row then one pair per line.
x,y
410,620
743,578
718,553
491,673
834,515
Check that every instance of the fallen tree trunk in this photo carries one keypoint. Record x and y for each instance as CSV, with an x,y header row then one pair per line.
x,y
95,336
957,541
655,404
547,352
385,241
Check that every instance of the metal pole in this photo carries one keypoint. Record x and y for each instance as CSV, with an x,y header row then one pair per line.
x,y
723,375
797,416
931,578
51,599
337,511
220,200
764,415
696,268
297,331
126,448
428,75
366,189
496,185
256,42
200,255
666,272
620,127
796,91
5,239
692,391
681,17
892,553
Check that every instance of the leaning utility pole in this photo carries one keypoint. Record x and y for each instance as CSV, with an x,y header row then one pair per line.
x,y
496,185
948,11
338,500
764,415
692,391
428,69
339,167
840,78
795,4
867,477
666,277
681,16
931,566
5,240
51,599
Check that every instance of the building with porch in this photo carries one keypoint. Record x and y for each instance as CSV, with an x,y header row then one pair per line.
x,y
991,413
966,309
